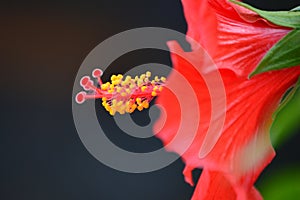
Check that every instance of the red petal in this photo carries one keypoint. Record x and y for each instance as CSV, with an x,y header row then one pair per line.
x,y
227,37
214,116
242,147
215,185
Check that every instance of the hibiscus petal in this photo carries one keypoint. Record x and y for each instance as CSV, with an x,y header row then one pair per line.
x,y
215,185
232,142
249,105
227,37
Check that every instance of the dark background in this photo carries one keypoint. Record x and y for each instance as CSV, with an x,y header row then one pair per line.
x,y
43,44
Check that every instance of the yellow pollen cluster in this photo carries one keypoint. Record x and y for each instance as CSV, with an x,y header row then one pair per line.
x,y
125,95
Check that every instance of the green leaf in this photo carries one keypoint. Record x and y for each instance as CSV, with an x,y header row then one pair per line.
x,y
284,54
286,117
281,184
297,9
282,18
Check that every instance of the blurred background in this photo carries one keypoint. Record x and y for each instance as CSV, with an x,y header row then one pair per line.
x,y
43,44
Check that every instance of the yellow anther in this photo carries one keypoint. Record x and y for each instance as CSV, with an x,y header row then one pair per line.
x,y
122,87
127,106
119,103
148,74
113,77
142,76
110,91
140,107
104,86
131,82
145,104
120,76
128,78
112,112
121,109
143,88
139,82
119,89
128,91
107,107
139,100
132,108
128,81
116,82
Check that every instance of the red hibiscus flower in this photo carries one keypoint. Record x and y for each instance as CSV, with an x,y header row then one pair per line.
x,y
236,39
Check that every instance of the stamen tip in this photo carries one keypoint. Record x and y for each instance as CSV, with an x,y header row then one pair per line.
x,y
97,73
88,85
80,97
84,80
